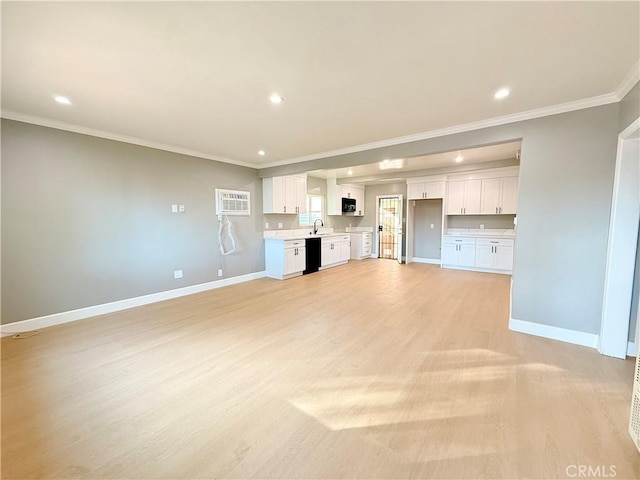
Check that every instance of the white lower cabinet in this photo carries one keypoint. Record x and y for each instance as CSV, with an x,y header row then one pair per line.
x,y
494,253
458,251
361,245
335,250
485,254
284,258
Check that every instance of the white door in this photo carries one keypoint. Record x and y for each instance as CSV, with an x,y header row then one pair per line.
x,y
490,199
467,255
504,258
301,194
389,226
326,254
415,191
279,195
449,254
509,195
455,198
472,193
484,256
290,261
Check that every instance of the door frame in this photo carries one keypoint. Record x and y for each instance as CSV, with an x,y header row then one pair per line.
x,y
622,249
377,231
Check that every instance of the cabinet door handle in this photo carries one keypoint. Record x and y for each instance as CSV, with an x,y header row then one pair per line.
x,y
500,208
496,209
285,209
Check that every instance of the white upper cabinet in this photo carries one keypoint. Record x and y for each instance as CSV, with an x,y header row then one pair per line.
x,y
286,194
335,194
425,190
499,196
509,195
463,197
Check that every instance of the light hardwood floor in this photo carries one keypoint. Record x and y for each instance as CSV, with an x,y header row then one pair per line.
x,y
372,370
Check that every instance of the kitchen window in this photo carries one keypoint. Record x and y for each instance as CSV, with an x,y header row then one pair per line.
x,y
315,210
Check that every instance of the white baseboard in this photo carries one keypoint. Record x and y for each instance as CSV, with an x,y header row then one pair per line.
x,y
481,270
82,313
432,261
554,333
632,349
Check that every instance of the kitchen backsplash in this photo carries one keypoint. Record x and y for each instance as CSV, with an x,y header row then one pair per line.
x,y
290,222
501,222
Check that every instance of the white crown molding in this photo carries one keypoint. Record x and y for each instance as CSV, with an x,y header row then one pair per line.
x,y
628,82
606,99
467,127
46,122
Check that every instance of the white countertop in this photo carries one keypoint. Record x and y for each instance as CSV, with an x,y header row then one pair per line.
x,y
300,233
477,232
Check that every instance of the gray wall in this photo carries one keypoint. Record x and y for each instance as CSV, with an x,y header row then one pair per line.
x,y
427,242
566,183
629,108
87,221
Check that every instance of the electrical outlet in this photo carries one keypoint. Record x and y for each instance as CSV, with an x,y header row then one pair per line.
x,y
482,226
279,224
433,226
266,225
177,274
219,272
174,208
181,208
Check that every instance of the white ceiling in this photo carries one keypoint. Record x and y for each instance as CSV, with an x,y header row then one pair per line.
x,y
197,76
413,166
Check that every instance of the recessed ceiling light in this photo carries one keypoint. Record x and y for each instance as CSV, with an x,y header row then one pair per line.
x,y
459,158
275,98
502,93
394,163
262,153
349,172
62,100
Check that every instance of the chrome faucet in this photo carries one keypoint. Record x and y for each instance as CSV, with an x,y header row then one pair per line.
x,y
315,229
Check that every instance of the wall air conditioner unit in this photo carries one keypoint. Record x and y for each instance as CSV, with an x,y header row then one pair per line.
x,y
634,420
232,202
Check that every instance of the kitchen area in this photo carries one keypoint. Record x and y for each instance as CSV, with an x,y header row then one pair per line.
x,y
461,217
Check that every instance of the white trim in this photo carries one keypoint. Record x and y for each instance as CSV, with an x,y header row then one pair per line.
x,y
476,269
632,349
432,261
597,101
628,82
554,333
70,127
466,127
82,313
621,248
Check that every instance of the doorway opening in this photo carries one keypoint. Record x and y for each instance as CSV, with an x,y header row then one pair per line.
x,y
389,219
617,322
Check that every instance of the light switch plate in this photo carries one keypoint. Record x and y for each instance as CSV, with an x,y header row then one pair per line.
x,y
177,274
174,208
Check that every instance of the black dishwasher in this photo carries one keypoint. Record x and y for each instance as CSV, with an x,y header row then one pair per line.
x,y
313,249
